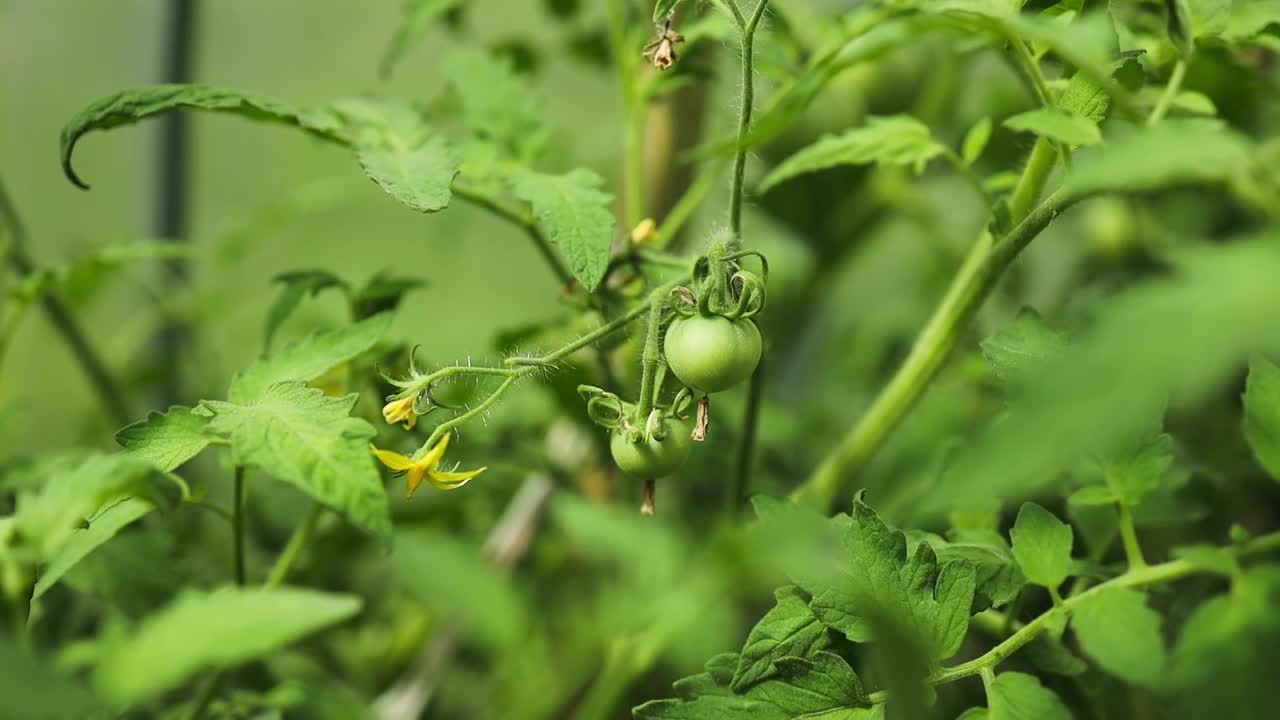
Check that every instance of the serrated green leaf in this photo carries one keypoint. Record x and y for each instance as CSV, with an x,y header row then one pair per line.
x,y
497,103
166,440
1117,629
1022,348
663,8
1262,413
130,106
211,631
974,713
308,358
1018,696
417,16
102,527
790,629
575,214
400,152
1085,98
1224,662
304,438
1178,151
822,687
1056,124
76,491
31,687
975,141
930,600
998,577
890,140
818,685
420,177
1042,545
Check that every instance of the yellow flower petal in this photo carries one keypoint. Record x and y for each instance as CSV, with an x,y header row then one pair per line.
x,y
400,411
413,480
434,455
453,480
392,459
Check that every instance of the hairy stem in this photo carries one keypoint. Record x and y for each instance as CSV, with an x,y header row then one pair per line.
x,y
64,322
650,355
746,100
977,276
237,525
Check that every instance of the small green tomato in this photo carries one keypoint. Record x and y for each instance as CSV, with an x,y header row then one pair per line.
x,y
650,458
712,353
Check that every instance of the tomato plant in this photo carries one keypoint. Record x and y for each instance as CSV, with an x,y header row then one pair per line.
x,y
397,403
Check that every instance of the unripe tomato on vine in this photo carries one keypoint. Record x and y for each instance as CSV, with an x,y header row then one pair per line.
x,y
713,344
645,444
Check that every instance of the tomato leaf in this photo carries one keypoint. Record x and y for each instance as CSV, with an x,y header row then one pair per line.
x,y
929,598
308,440
1018,696
166,440
790,629
576,216
212,630
129,106
1042,545
891,140
1117,629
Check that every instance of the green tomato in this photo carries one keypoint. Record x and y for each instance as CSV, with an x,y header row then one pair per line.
x,y
649,459
712,353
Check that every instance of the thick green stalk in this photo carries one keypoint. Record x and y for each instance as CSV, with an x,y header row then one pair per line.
x,y
977,276
746,101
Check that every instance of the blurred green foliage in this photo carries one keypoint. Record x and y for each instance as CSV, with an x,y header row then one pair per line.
x,y
1075,497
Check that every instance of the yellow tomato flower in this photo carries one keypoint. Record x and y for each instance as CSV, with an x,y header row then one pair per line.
x,y
645,233
400,411
425,468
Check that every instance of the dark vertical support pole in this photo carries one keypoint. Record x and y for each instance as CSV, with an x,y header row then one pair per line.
x,y
172,194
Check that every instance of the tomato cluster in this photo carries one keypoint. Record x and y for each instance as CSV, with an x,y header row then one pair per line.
x,y
711,344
